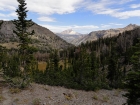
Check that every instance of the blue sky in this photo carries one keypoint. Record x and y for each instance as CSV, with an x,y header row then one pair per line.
x,y
82,16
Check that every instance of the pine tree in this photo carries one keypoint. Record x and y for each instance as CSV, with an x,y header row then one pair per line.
x,y
22,25
112,68
56,60
1,24
2,52
23,63
2,56
133,78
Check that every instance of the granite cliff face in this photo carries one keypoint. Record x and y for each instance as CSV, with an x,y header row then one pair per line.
x,y
103,33
43,38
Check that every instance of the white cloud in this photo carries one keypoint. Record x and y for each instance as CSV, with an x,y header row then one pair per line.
x,y
12,14
135,6
105,7
103,26
46,19
48,7
2,15
44,7
81,29
116,24
110,25
4,19
8,5
127,14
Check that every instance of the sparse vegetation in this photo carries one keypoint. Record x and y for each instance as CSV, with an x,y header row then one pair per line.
x,y
68,96
14,90
117,92
105,98
95,97
36,102
1,98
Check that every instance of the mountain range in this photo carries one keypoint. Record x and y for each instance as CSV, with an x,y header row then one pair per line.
x,y
94,35
43,38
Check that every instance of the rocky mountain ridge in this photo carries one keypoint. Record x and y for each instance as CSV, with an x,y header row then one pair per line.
x,y
43,38
94,35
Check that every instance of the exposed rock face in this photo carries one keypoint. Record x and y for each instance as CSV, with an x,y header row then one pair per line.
x,y
70,35
43,38
103,33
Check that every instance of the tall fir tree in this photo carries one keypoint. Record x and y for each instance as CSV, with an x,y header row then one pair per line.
x,y
20,65
133,78
22,25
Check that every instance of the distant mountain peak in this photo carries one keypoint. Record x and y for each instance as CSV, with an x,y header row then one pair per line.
x,y
70,32
131,26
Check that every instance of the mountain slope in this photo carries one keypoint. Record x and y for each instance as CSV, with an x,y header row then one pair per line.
x,y
103,33
44,39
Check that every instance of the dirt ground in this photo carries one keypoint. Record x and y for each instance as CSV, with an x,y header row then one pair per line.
x,y
51,95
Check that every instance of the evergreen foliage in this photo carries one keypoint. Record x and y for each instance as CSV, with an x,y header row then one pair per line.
x,y
90,66
133,78
21,64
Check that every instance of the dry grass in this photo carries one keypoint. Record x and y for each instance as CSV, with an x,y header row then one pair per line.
x,y
42,66
1,98
14,90
36,101
105,98
95,97
68,96
117,92
10,45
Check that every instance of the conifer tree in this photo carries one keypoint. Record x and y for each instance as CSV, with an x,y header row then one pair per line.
x,y
1,24
22,25
56,60
26,63
133,78
1,50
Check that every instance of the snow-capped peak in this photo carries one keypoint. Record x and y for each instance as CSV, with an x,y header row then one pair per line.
x,y
70,32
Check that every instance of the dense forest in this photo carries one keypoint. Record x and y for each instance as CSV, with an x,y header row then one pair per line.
x,y
106,63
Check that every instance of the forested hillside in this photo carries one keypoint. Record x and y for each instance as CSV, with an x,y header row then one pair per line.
x,y
107,59
102,64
